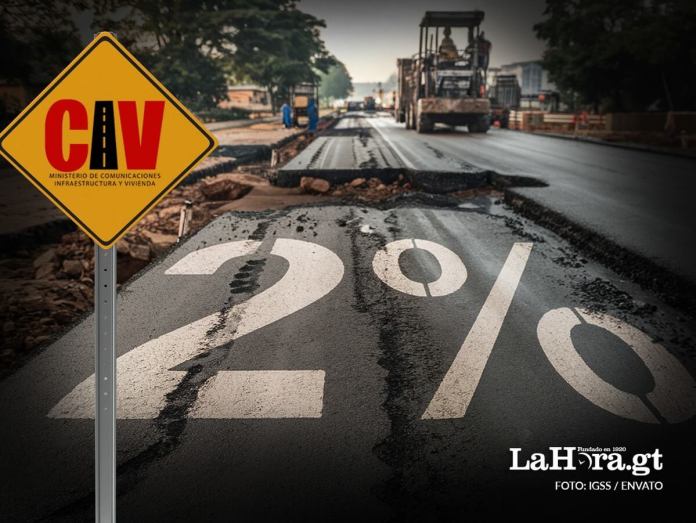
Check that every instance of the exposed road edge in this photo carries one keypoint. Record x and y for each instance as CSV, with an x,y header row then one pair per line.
x,y
438,182
674,289
435,182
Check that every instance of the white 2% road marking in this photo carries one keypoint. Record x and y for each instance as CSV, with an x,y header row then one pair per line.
x,y
144,378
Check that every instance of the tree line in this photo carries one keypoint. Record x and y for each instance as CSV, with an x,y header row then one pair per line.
x,y
622,55
194,47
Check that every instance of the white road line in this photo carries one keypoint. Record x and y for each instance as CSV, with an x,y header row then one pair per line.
x,y
328,145
452,398
393,146
262,394
673,396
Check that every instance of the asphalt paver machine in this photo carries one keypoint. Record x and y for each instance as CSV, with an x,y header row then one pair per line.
x,y
444,83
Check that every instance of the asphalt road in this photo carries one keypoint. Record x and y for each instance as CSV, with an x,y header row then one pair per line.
x,y
337,362
641,201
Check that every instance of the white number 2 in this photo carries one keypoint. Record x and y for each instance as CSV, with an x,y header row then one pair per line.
x,y
144,378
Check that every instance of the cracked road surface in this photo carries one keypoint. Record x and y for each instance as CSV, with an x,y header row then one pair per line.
x,y
338,362
641,201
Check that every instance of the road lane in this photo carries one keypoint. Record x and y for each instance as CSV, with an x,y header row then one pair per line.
x,y
383,354
349,146
641,201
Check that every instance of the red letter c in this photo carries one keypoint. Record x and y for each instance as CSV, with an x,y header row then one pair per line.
x,y
77,120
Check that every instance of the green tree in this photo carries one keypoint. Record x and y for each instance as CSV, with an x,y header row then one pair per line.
x,y
193,46
280,48
622,55
336,83
182,42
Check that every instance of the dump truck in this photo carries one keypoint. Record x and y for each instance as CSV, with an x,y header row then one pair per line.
x,y
505,96
506,91
442,83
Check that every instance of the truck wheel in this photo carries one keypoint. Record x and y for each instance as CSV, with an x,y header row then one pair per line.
x,y
424,125
481,125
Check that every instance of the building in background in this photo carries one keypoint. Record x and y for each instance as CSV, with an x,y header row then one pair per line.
x,y
533,78
537,91
250,97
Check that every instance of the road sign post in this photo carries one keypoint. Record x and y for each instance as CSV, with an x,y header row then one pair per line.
x,y
105,141
105,386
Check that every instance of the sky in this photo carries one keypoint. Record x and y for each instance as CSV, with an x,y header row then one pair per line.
x,y
369,35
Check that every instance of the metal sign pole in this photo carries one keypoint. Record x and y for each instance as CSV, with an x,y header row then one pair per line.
x,y
105,375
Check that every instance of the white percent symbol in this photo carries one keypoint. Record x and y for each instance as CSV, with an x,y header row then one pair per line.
x,y
459,384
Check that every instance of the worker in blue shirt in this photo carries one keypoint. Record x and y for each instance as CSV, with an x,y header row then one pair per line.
x,y
313,116
286,111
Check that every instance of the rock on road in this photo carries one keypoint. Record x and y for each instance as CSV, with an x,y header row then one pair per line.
x,y
298,384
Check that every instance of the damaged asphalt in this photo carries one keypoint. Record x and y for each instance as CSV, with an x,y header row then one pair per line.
x,y
592,195
369,456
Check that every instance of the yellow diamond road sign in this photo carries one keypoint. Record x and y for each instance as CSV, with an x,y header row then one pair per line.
x,y
105,141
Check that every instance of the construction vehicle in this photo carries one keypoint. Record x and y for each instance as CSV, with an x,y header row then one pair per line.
x,y
403,91
369,103
506,91
443,84
300,95
505,96
353,105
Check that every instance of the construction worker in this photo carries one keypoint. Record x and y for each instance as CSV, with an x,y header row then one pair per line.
x,y
286,111
448,49
312,116
484,50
